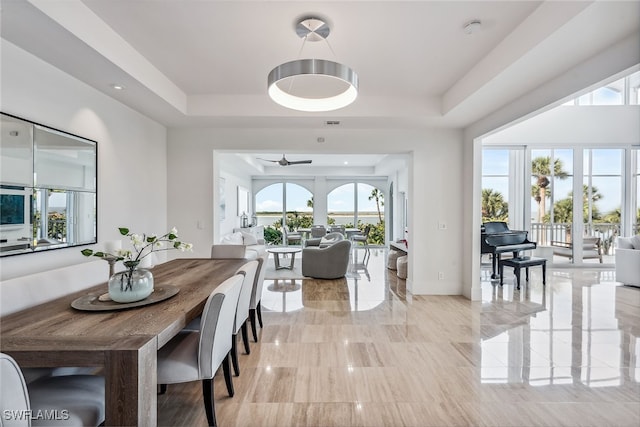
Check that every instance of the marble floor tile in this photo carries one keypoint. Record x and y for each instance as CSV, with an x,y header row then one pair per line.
x,y
364,352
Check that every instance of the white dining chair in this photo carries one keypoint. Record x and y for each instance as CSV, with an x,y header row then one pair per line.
x,y
256,298
252,271
67,400
242,313
197,355
219,251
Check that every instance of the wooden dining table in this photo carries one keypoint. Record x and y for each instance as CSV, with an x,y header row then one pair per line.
x,y
124,343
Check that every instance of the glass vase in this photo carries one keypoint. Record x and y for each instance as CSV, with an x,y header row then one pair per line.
x,y
130,285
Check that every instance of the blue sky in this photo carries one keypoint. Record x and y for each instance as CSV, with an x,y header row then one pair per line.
x,y
339,200
604,162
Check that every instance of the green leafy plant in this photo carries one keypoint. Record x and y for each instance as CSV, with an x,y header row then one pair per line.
x,y
272,236
143,245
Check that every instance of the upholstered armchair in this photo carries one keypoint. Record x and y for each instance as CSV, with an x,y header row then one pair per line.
x,y
327,240
330,262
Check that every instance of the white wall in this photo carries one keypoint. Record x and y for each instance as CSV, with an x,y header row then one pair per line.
x,y
575,125
436,199
234,177
132,161
435,189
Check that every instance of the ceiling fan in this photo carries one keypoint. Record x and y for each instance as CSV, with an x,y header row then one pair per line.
x,y
284,162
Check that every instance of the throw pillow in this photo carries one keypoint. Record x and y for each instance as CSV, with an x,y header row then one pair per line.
x,y
635,241
324,241
249,239
232,239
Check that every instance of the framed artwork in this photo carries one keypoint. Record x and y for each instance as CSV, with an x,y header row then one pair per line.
x,y
221,196
243,201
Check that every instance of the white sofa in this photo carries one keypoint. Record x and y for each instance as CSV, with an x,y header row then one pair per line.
x,y
254,247
628,260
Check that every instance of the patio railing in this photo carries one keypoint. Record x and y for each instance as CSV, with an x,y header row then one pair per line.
x,y
545,233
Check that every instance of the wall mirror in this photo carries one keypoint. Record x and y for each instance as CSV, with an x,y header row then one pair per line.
x,y
48,188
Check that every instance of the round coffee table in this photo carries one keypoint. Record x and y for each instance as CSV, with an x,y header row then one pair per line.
x,y
282,251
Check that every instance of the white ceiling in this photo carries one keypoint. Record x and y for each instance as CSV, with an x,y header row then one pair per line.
x,y
205,62
322,164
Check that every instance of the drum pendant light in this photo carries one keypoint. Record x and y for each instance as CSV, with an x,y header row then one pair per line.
x,y
313,84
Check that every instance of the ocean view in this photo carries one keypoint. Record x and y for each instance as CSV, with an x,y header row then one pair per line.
x,y
341,219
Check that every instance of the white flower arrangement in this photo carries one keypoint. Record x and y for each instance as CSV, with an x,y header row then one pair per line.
x,y
143,245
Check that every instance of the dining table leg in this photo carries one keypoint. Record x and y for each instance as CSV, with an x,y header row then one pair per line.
x,y
131,377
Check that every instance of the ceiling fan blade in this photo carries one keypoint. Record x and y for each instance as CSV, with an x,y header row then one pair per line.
x,y
284,162
299,162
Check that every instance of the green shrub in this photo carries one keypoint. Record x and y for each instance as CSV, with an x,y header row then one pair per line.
x,y
272,236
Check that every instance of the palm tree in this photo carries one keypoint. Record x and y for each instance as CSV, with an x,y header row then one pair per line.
x,y
595,196
494,208
563,209
379,198
310,203
613,217
541,168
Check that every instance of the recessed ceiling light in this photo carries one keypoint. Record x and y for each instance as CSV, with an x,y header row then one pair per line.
x,y
472,26
346,163
117,86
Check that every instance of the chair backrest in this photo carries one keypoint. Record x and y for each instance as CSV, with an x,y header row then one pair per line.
x,y
337,229
318,231
242,313
14,397
335,236
590,243
256,293
227,251
216,325
290,235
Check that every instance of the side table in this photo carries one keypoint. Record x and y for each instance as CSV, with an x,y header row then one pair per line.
x,y
284,250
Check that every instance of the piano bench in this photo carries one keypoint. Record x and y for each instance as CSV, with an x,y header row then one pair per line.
x,y
523,262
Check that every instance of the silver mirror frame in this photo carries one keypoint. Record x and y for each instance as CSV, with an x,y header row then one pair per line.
x,y
38,213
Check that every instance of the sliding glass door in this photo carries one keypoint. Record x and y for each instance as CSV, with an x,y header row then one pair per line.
x,y
552,197
602,195
580,229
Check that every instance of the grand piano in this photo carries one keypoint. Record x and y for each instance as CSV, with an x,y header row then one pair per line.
x,y
496,239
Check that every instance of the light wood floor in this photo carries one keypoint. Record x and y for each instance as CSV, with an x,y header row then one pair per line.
x,y
363,353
